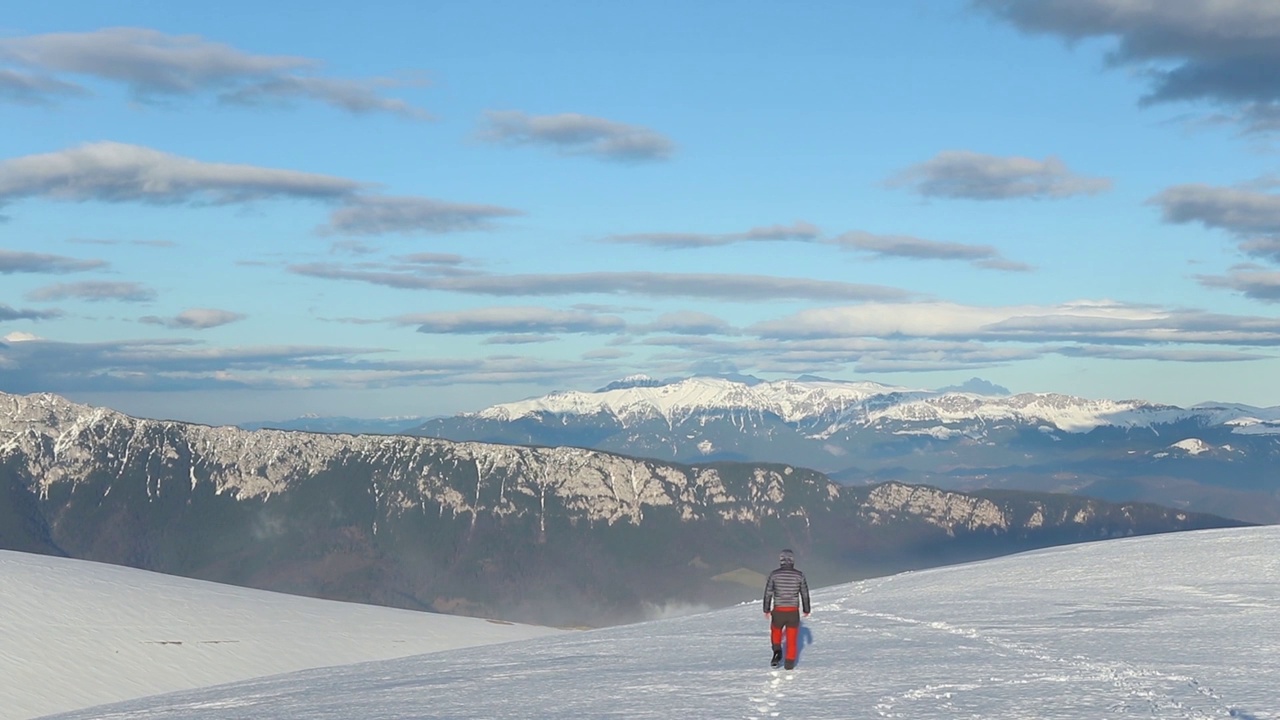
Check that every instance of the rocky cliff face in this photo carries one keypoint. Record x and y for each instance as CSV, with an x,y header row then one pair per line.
x,y
54,441
544,534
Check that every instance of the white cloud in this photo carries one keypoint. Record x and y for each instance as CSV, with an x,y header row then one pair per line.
x,y
1094,322
377,215
690,322
575,134
905,246
513,320
28,262
1266,248
798,231
11,313
118,172
1251,282
196,319
153,64
34,89
94,291
973,176
1237,210
754,288
1223,51
355,96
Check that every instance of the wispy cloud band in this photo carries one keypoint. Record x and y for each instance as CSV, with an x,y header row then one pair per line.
x,y
119,172
94,291
513,320
1237,210
195,319
753,288
966,175
28,262
798,231
154,64
1091,322
8,313
575,134
914,248
381,214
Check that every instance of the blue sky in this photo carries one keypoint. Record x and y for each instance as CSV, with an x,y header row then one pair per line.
x,y
223,214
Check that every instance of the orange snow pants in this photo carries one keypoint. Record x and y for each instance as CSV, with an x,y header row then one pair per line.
x,y
784,618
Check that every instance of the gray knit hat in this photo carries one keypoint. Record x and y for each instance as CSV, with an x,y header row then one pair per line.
x,y
787,558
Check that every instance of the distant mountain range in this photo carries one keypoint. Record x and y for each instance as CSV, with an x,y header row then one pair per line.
x,y
548,535
341,424
1220,458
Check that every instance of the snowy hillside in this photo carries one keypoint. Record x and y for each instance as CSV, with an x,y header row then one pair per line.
x,y
1171,626
75,633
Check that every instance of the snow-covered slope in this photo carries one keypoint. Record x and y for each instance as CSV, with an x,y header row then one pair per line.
x,y
1171,626
75,634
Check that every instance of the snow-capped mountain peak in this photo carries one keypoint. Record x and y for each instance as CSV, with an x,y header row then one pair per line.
x,y
829,405
630,381
792,401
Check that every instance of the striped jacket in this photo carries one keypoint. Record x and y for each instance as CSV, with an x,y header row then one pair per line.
x,y
786,587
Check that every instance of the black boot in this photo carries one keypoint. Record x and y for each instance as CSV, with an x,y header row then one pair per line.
x,y
791,665
777,656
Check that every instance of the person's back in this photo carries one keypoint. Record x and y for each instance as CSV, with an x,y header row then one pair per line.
x,y
785,584
786,594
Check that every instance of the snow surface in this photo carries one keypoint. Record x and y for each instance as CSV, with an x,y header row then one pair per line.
x,y
1192,446
1172,626
75,634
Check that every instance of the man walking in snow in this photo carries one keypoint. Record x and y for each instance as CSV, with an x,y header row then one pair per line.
x,y
786,593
